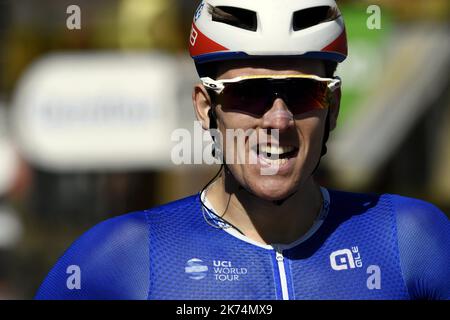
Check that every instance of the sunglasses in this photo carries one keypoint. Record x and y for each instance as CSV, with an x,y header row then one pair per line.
x,y
255,95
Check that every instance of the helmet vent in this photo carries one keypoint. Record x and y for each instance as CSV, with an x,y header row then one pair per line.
x,y
236,17
307,18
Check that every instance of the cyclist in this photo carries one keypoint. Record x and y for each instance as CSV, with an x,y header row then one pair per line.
x,y
266,66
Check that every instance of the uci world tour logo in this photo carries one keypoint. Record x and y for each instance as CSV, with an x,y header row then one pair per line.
x,y
196,269
222,270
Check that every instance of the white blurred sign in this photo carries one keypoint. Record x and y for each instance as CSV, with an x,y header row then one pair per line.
x,y
97,111
11,229
8,157
8,166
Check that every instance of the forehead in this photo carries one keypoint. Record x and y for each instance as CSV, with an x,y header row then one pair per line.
x,y
232,69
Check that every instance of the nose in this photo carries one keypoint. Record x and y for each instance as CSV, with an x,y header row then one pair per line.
x,y
279,116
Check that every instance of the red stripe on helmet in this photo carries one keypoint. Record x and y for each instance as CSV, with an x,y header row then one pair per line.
x,y
338,45
200,44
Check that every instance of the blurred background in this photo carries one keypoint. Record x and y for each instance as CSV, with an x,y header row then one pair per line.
x,y
86,116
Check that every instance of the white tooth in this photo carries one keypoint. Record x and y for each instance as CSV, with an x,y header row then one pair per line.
x,y
275,150
280,150
268,149
263,148
278,162
286,149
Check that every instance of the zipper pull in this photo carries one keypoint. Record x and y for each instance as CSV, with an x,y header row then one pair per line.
x,y
282,271
279,254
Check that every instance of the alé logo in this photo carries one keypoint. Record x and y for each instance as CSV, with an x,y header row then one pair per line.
x,y
346,259
222,270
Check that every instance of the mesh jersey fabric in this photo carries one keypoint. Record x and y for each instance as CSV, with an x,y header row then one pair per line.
x,y
368,247
113,261
424,246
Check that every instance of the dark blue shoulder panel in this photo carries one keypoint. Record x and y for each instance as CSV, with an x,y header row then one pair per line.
x,y
110,261
424,245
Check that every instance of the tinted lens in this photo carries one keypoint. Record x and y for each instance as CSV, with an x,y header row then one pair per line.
x,y
256,96
303,95
248,96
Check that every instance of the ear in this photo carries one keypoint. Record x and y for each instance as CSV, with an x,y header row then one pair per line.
x,y
335,106
202,104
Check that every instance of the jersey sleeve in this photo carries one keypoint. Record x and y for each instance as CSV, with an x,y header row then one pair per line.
x,y
110,261
424,248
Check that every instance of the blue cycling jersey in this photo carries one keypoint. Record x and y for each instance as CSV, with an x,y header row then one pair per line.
x,y
362,246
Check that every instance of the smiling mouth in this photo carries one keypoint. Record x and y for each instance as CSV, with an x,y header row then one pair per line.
x,y
276,154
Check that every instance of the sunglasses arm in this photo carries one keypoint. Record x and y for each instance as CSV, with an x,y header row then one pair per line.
x,y
335,84
209,83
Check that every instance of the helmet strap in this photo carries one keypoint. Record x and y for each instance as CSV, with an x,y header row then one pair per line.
x,y
212,126
326,136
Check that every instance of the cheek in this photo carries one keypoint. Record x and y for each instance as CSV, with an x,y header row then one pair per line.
x,y
229,121
311,131
234,120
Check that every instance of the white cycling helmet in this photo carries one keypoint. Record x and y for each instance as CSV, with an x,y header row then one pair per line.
x,y
238,29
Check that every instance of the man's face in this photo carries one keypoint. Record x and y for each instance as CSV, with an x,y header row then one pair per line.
x,y
303,133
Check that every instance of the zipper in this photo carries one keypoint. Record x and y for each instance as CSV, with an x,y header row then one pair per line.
x,y
282,272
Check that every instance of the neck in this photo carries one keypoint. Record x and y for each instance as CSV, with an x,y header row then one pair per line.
x,y
264,221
